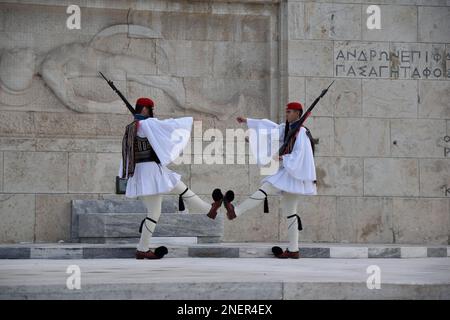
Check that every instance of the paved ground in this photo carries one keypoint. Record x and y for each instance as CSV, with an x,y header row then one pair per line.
x,y
225,278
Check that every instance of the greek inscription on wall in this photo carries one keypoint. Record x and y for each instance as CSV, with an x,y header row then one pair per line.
x,y
367,62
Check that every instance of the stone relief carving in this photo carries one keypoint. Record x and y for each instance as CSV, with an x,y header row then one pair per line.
x,y
57,67
17,68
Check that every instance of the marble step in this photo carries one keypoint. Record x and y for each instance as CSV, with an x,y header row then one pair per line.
x,y
118,221
185,247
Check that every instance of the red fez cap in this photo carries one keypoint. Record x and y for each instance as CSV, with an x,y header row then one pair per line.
x,y
294,106
145,102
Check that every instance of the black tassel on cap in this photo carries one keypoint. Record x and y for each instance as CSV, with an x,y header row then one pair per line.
x,y
266,202
181,206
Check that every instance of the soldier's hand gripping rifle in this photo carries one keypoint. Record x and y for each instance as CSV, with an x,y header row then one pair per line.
x,y
111,84
302,120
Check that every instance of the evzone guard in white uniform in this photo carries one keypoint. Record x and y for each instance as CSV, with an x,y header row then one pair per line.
x,y
296,174
148,146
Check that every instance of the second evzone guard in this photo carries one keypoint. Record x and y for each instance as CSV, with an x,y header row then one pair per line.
x,y
296,174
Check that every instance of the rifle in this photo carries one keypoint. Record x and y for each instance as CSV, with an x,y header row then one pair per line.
x,y
111,84
302,120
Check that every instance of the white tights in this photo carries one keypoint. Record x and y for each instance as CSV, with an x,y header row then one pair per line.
x,y
289,203
153,204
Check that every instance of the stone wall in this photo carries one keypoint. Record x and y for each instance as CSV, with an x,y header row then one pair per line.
x,y
382,162
383,128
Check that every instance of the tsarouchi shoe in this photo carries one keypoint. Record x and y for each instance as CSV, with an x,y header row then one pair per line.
x,y
227,199
158,254
278,252
218,199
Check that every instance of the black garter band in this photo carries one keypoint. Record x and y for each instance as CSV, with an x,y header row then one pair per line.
x,y
300,228
142,224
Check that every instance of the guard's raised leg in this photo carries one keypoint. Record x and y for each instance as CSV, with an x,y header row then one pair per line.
x,y
254,200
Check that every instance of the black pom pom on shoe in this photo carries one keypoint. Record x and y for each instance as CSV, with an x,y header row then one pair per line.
x,y
217,195
277,251
161,251
229,196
